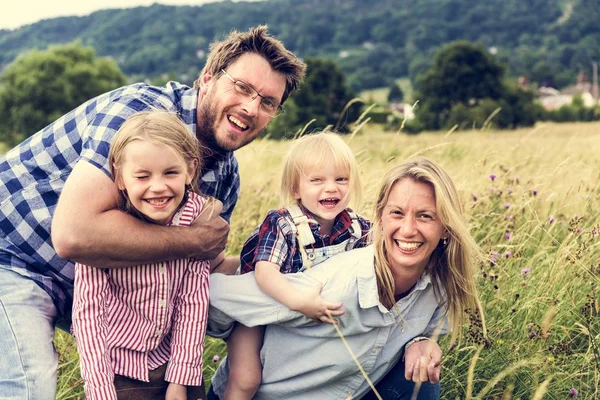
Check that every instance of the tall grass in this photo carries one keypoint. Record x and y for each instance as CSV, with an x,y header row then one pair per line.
x,y
532,197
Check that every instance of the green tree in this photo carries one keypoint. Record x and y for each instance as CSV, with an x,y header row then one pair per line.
x,y
396,95
286,125
465,87
323,97
462,72
41,86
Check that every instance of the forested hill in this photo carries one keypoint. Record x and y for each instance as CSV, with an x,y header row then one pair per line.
x,y
373,40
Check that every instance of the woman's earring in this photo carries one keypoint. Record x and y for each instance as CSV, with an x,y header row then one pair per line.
x,y
444,241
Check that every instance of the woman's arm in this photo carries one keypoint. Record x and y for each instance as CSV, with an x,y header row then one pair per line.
x,y
308,302
422,361
90,329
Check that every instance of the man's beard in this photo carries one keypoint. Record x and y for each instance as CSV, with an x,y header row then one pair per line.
x,y
205,128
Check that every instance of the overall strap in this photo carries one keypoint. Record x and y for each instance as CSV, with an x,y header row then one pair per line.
x,y
303,233
355,226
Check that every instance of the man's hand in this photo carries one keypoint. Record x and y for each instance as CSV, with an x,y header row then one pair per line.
x,y
176,392
422,362
211,230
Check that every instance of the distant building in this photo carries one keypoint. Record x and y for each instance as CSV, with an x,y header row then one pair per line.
x,y
403,110
552,99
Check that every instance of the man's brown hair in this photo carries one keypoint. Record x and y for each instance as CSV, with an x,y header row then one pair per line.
x,y
256,40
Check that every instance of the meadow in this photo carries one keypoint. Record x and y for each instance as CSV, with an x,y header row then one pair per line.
x,y
532,199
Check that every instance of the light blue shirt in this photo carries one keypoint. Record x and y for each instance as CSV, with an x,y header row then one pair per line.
x,y
303,359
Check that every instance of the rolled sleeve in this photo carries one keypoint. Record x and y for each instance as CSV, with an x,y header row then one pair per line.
x,y
239,298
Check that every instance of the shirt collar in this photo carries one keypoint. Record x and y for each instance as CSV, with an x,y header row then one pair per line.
x,y
368,294
342,222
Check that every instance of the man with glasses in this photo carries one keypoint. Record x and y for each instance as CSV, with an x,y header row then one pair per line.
x,y
59,202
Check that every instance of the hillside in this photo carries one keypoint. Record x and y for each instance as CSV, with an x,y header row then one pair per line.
x,y
547,40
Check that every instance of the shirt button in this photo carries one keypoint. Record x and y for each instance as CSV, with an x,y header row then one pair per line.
x,y
158,332
162,269
311,256
162,303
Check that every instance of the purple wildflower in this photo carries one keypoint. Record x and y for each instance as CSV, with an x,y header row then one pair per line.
x,y
216,358
508,254
492,177
506,206
532,334
508,216
507,235
534,192
573,392
492,261
509,190
550,219
517,179
474,196
579,230
525,271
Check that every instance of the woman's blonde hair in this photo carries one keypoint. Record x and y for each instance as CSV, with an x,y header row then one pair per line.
x,y
313,152
451,266
159,127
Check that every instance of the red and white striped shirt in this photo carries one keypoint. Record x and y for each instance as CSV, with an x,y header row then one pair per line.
x,y
129,321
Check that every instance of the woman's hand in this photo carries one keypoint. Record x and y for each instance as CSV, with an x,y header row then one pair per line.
x,y
311,304
422,362
176,392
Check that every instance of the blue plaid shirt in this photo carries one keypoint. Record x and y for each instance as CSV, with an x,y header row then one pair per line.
x,y
32,176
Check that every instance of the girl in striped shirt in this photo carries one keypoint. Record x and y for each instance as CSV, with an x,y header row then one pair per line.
x,y
140,330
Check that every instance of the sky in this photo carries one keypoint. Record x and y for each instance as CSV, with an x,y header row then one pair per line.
x,y
23,12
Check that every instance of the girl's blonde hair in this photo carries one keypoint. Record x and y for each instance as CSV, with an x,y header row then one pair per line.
x,y
159,127
313,152
451,266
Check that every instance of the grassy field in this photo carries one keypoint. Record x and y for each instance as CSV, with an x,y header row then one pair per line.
x,y
532,198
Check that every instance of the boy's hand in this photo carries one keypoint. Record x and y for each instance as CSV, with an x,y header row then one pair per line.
x,y
313,306
176,392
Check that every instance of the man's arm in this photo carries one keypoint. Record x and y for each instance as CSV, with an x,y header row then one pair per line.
x,y
88,228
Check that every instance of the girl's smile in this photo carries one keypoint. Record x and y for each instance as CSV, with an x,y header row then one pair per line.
x,y
154,177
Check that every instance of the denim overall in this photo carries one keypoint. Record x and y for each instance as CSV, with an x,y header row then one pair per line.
x,y
304,235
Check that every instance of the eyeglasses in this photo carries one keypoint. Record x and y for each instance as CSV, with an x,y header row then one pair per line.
x,y
267,105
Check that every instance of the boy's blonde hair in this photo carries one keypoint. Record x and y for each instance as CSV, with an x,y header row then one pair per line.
x,y
159,127
313,152
451,266
256,40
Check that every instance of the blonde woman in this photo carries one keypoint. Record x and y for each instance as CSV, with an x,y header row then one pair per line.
x,y
399,294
